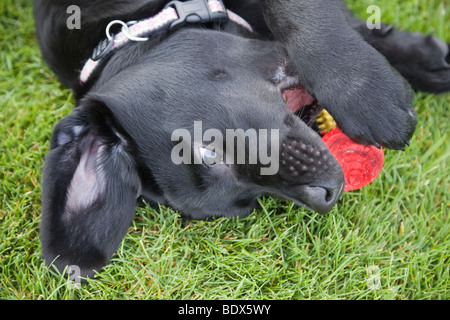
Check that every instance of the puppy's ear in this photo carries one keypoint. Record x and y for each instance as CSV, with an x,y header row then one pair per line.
x,y
90,186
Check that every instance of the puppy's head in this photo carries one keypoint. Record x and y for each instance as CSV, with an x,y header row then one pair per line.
x,y
199,124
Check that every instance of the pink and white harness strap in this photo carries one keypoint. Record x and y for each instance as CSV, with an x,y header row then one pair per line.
x,y
173,14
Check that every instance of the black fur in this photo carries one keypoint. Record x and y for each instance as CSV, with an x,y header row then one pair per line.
x,y
116,146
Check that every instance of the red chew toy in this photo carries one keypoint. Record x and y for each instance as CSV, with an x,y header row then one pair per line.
x,y
361,164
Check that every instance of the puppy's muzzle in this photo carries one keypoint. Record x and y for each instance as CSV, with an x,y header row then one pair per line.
x,y
310,175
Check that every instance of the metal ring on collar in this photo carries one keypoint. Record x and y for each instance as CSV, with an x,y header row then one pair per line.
x,y
124,31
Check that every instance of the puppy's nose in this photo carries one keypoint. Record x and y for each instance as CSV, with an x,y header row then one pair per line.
x,y
322,199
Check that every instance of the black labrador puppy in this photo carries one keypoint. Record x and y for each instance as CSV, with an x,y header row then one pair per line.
x,y
181,103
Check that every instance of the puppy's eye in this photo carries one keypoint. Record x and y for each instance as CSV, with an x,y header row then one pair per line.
x,y
209,157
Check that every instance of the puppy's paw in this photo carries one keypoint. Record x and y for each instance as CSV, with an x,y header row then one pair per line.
x,y
429,67
423,60
383,123
373,103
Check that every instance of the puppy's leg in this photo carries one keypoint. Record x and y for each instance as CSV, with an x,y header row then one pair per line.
x,y
370,101
90,186
423,60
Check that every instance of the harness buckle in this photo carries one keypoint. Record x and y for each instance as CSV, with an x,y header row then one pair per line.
x,y
196,11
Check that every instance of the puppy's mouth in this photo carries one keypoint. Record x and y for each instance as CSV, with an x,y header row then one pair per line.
x,y
360,163
301,103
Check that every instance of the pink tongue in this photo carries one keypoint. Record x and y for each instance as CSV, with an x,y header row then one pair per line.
x,y
296,98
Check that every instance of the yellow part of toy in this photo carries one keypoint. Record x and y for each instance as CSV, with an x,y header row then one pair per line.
x,y
326,121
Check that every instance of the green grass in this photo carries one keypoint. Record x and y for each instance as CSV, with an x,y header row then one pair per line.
x,y
398,226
